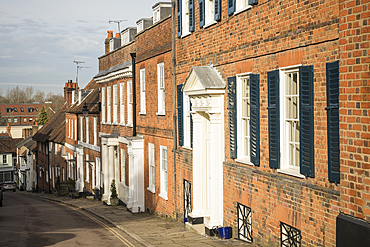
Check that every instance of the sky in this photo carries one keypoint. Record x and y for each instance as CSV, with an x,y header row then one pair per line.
x,y
40,39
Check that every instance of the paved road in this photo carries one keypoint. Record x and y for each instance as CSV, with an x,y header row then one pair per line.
x,y
28,221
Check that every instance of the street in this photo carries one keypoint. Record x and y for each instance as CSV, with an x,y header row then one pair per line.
x,y
29,221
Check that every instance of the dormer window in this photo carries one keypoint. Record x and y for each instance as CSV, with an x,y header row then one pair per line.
x,y
160,11
140,26
22,109
15,109
37,109
29,109
128,35
143,24
8,109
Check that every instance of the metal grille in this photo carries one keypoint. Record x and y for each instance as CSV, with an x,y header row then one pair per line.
x,y
187,198
290,236
244,223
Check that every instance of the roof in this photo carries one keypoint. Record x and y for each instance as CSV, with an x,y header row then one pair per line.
x,y
16,109
54,129
91,100
28,143
8,145
116,68
208,76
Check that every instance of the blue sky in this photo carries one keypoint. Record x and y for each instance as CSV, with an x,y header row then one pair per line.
x,y
40,39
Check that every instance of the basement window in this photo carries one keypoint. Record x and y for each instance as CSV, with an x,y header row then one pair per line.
x,y
289,235
244,223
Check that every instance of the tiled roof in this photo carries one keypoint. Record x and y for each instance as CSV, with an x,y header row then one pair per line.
x,y
92,101
54,129
8,145
28,142
16,109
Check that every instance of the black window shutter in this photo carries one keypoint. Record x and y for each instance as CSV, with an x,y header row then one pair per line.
x,y
217,10
230,7
252,2
179,17
180,114
306,121
191,16
231,94
201,13
332,98
274,118
255,118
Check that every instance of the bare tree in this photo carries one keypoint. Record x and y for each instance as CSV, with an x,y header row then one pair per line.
x,y
39,96
29,94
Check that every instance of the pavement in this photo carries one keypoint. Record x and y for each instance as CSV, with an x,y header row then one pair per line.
x,y
147,229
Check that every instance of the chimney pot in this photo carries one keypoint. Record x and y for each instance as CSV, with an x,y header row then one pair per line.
x,y
118,35
110,34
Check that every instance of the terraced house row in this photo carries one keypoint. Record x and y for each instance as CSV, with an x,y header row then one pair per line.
x,y
250,114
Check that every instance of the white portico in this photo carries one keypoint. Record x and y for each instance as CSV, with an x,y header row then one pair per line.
x,y
206,89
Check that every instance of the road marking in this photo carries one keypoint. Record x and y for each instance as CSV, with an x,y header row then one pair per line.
x,y
119,236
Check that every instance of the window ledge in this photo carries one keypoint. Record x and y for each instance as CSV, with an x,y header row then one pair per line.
x,y
187,147
142,113
151,189
115,123
185,35
108,122
122,124
244,161
164,196
129,125
291,172
162,113
242,10
102,122
209,24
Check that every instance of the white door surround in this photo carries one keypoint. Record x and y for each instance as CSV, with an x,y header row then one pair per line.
x,y
206,89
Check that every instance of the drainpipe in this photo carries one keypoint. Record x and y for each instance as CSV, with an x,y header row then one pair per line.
x,y
133,56
174,99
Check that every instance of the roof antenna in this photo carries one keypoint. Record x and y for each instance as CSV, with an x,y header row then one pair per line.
x,y
78,68
118,22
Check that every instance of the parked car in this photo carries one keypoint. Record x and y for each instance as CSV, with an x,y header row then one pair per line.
x,y
9,186
1,195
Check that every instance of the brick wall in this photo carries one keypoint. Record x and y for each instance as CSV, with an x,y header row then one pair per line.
x,y
354,107
270,36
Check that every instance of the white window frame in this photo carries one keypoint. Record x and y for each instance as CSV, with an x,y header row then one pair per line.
x,y
241,5
103,105
122,102
87,169
95,131
142,92
5,159
81,129
243,122
69,128
187,121
98,172
129,103
161,89
164,172
115,104
87,130
55,148
285,166
64,174
123,166
109,104
209,13
75,121
185,17
151,161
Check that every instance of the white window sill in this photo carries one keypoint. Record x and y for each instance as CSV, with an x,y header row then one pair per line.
x,y
245,161
162,113
129,125
210,24
151,189
122,124
291,172
164,196
142,113
108,122
242,10
187,147
185,35
102,122
115,123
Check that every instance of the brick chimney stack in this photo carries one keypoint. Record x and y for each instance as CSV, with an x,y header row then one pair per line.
x,y
8,130
69,87
106,42
35,128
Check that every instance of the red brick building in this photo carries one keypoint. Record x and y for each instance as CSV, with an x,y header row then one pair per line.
x,y
257,122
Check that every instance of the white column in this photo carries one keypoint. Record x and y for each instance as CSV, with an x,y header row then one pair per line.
x,y
110,169
105,171
197,167
80,167
131,175
216,193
